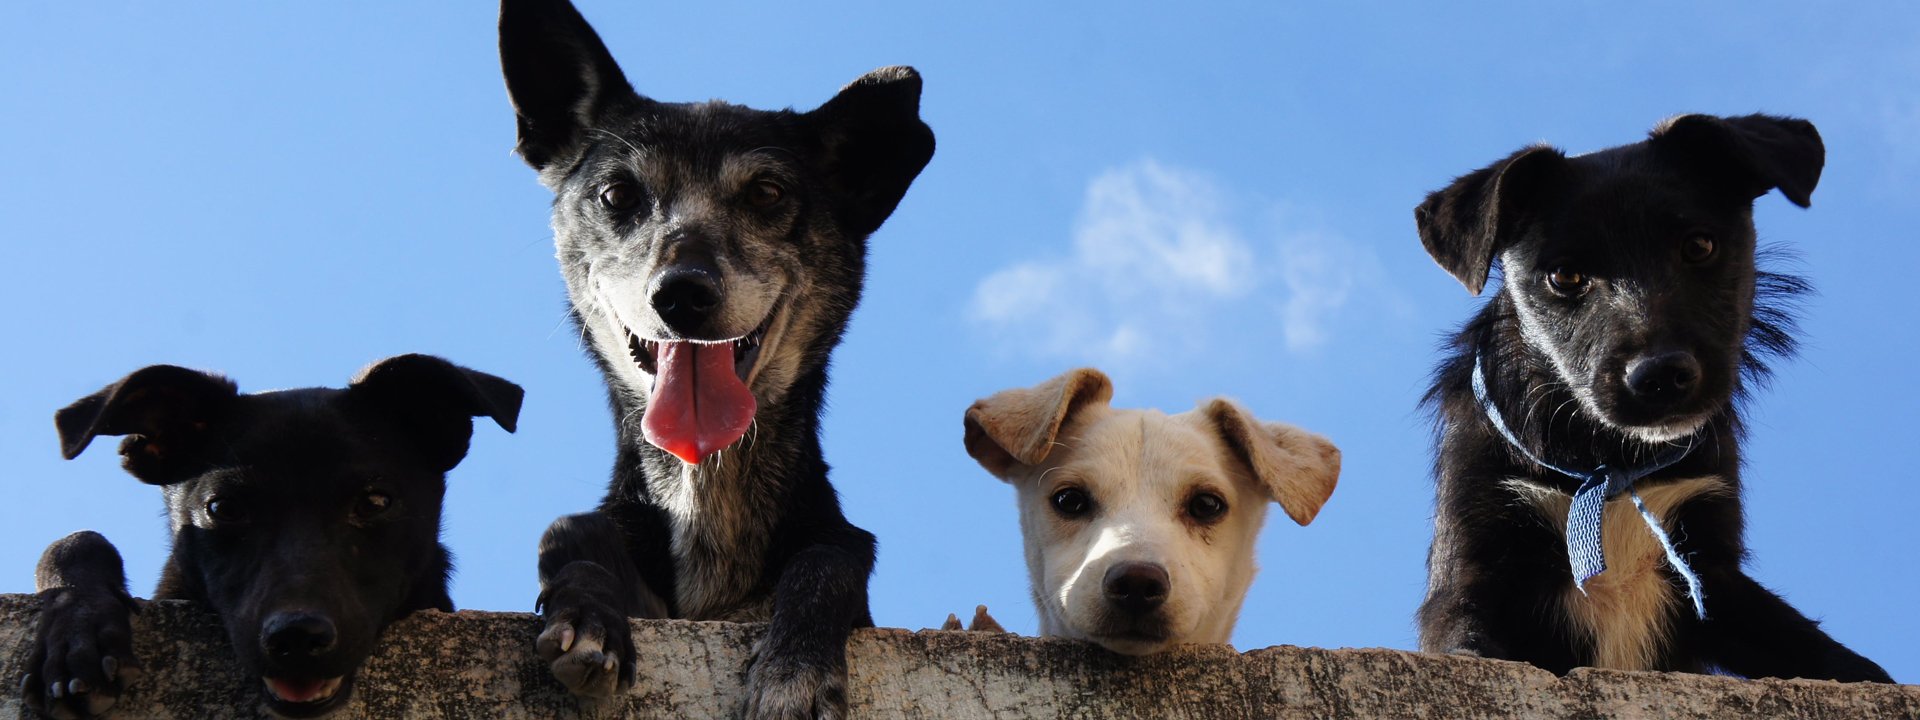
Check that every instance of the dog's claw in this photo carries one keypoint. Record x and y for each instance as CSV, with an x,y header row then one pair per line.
x,y
76,686
566,638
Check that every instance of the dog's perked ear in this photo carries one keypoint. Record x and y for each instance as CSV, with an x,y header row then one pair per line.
x,y
872,145
1016,428
1466,225
559,75
1750,154
436,402
1300,468
166,413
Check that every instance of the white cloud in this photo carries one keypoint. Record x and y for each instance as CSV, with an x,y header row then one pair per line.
x,y
1157,267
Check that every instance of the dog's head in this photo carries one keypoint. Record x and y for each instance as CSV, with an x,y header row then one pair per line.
x,y
712,252
308,518
1140,527
1630,270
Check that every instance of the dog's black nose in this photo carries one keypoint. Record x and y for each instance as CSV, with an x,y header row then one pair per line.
x,y
298,634
685,295
1663,379
1137,588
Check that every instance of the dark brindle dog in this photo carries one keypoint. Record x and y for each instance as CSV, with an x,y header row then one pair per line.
x,y
307,519
1630,321
712,254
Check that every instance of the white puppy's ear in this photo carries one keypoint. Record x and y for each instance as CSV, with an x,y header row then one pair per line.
x,y
1300,468
1015,428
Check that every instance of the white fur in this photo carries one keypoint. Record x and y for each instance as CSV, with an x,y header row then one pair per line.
x,y
1140,467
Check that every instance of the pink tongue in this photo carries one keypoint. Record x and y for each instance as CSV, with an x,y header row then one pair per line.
x,y
699,405
297,690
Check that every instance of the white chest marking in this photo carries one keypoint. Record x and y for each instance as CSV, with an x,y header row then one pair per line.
x,y
1624,613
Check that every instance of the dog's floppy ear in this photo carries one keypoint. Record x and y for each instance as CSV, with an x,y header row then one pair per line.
x,y
1298,467
559,76
1016,428
1466,225
435,401
1752,153
872,145
164,411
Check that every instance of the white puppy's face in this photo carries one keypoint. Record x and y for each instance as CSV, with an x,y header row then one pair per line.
x,y
1140,527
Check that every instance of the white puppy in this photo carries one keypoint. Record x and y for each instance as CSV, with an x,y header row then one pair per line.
x,y
1140,526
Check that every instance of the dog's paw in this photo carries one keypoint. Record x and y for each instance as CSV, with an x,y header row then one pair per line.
x,y
82,657
587,641
780,689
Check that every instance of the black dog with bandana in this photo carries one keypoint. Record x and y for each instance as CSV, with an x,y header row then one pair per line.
x,y
1630,321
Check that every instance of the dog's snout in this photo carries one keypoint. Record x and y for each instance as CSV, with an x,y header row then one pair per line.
x,y
686,294
1137,588
1663,378
291,635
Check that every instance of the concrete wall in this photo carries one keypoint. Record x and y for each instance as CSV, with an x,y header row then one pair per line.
x,y
481,665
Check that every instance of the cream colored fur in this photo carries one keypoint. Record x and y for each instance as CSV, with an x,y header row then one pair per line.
x,y
1624,612
1141,467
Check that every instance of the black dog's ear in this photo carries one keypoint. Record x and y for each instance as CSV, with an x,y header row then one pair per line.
x,y
1466,225
164,410
1752,153
872,145
559,76
436,402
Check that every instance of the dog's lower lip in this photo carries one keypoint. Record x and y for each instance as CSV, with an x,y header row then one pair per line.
x,y
303,692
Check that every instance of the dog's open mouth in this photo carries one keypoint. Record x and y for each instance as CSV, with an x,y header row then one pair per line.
x,y
303,697
700,401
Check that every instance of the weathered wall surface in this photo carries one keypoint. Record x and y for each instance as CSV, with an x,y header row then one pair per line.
x,y
481,665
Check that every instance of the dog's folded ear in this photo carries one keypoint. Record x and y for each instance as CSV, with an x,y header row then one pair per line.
x,y
1300,468
559,76
872,145
435,401
1750,154
1466,225
165,412
1015,429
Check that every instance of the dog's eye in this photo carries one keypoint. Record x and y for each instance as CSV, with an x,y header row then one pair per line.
x,y
1697,248
372,504
1567,281
1206,507
764,194
224,510
620,196
1072,502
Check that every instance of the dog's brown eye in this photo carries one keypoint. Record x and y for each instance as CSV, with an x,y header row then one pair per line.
x,y
1072,502
764,194
1206,507
1697,248
372,504
224,510
620,196
1567,281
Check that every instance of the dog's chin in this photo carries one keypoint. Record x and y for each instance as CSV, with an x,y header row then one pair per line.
x,y
290,697
1134,636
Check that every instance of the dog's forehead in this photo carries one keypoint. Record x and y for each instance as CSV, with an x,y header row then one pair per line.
x,y
304,431
1126,445
694,137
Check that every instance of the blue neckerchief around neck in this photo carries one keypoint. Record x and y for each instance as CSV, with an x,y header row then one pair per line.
x,y
1584,550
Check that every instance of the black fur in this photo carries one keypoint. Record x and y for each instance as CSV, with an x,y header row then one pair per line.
x,y
755,531
307,519
1562,366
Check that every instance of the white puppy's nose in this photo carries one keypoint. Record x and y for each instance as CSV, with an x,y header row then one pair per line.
x,y
1136,588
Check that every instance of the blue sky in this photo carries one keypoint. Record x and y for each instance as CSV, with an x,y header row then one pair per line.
x,y
1209,200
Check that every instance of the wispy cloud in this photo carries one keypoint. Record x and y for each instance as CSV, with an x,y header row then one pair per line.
x,y
1158,267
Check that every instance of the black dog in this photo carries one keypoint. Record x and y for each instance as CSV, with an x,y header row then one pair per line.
x,y
307,519
1630,322
712,254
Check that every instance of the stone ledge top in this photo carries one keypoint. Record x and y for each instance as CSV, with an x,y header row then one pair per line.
x,y
474,664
